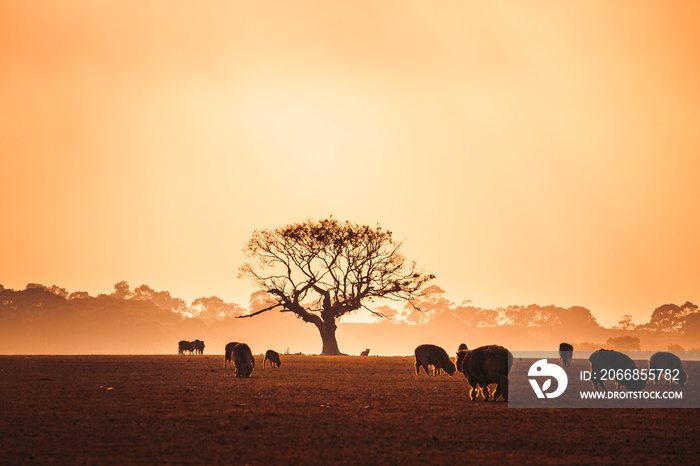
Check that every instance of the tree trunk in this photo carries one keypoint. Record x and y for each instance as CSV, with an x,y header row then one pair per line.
x,y
330,344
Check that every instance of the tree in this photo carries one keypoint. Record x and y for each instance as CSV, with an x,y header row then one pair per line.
x,y
79,295
322,270
625,324
121,290
54,289
214,308
431,303
671,317
161,299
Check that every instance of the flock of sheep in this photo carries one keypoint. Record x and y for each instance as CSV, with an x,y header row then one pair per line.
x,y
241,357
663,366
193,347
237,355
490,365
483,366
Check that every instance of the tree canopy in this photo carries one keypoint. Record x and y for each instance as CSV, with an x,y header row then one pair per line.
x,y
322,270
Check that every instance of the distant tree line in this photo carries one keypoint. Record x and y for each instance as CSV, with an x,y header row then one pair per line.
x,y
145,308
434,306
35,299
430,307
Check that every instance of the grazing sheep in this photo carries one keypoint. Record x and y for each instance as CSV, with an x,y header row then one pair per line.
x,y
228,353
460,356
198,347
432,355
273,357
484,366
243,360
605,363
365,352
667,361
566,352
184,346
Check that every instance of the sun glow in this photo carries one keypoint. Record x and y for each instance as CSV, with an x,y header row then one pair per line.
x,y
527,153
313,130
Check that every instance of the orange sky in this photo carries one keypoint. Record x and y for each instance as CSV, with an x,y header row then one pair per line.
x,y
528,152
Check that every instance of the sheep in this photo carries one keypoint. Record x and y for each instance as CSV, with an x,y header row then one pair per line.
x,y
484,366
605,363
273,357
460,357
184,346
667,362
228,353
243,360
566,352
432,355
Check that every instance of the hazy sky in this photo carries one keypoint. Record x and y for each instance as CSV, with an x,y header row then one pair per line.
x,y
527,152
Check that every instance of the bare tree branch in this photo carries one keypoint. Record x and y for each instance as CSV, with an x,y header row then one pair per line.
x,y
259,312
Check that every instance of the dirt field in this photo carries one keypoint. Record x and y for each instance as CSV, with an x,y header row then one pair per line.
x,y
372,410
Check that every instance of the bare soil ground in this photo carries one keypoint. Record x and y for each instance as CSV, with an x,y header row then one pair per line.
x,y
357,410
